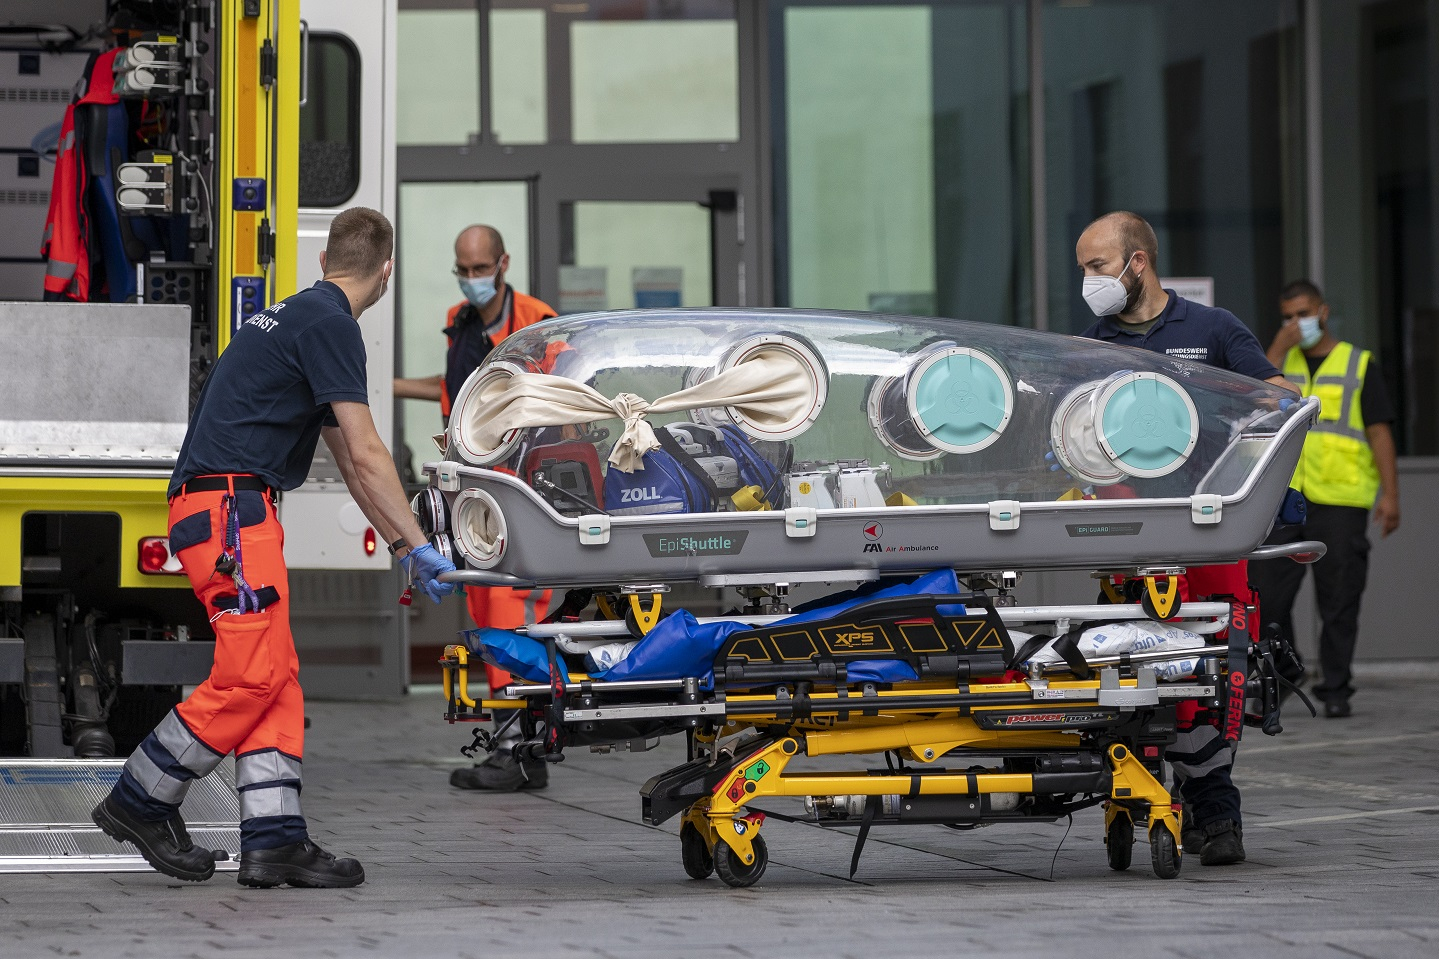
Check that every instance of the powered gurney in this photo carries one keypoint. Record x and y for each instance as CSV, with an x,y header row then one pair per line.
x,y
1014,452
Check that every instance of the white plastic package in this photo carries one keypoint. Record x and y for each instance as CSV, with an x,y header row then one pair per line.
x,y
601,658
1135,636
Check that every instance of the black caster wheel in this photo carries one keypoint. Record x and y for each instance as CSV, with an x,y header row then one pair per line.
x,y
633,625
735,873
699,864
1119,842
1147,604
1163,852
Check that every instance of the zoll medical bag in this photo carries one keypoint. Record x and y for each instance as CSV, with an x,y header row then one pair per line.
x,y
697,469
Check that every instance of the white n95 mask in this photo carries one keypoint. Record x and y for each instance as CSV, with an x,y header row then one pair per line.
x,y
1106,295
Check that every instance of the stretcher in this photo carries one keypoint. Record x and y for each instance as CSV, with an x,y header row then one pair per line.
x,y
971,732
931,462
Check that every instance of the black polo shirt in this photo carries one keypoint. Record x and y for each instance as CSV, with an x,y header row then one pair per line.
x,y
1191,331
470,341
269,394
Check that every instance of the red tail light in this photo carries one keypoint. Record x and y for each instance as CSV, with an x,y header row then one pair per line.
x,y
370,541
155,558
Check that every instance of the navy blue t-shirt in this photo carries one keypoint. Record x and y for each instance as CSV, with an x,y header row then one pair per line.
x,y
269,394
1191,331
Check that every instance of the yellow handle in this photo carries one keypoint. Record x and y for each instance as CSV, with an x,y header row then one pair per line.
x,y
458,692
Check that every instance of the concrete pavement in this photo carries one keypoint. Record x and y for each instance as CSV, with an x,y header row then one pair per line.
x,y
1342,829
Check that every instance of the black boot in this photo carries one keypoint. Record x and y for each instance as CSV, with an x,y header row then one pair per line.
x,y
1191,833
1223,843
164,843
500,773
301,864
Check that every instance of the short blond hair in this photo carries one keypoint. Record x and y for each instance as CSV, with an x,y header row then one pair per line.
x,y
361,241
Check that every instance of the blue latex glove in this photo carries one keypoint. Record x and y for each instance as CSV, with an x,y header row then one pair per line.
x,y
424,564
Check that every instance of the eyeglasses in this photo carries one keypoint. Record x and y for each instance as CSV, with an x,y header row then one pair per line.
x,y
474,273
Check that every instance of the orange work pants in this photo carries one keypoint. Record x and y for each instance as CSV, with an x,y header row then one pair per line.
x,y
501,607
252,699
251,703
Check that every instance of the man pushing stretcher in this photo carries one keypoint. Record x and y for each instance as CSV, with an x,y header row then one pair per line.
x,y
292,374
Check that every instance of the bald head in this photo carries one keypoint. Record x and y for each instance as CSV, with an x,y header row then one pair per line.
x,y
1129,232
480,241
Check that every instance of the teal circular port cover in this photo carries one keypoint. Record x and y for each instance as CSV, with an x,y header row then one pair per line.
x,y
961,399
1148,424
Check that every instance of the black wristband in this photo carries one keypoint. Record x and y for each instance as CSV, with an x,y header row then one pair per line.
x,y
397,545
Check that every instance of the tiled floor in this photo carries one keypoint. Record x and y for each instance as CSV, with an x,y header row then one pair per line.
x,y
1342,828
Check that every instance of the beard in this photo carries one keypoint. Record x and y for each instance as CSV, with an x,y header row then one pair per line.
x,y
1132,294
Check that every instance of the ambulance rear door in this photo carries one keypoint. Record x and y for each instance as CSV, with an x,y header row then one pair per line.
x,y
347,159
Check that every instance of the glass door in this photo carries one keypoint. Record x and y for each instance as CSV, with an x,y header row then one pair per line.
x,y
647,254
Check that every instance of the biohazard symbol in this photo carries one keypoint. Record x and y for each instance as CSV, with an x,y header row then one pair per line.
x,y
1147,421
757,770
962,401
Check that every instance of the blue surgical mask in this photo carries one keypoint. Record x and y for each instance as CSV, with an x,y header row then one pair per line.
x,y
1310,332
479,290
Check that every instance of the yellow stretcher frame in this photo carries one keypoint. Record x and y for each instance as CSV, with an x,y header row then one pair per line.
x,y
918,733
722,820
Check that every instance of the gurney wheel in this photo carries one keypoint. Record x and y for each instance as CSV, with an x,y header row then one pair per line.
x,y
699,864
633,625
1163,852
1119,842
735,873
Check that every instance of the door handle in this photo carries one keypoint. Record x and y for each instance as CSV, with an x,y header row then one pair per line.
x,y
304,62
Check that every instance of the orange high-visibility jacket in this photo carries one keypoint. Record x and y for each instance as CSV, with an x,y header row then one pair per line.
x,y
67,227
524,311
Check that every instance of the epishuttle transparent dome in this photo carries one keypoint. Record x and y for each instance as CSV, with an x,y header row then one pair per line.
x,y
771,409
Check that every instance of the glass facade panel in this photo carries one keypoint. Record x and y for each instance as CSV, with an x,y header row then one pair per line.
x,y
431,216
905,160
517,76
654,81
1407,314
438,88
1189,115
1379,216
649,253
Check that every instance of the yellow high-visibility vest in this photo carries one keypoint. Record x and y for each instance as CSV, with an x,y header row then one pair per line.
x,y
1337,466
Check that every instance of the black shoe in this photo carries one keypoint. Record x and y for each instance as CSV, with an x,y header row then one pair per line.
x,y
1337,709
1191,835
500,773
165,844
301,864
1223,843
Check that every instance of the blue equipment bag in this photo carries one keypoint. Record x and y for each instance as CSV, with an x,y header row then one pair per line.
x,y
695,470
680,645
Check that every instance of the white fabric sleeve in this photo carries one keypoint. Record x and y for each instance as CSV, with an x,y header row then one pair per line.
x,y
769,388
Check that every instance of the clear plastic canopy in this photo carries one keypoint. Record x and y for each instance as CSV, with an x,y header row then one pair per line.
x,y
750,409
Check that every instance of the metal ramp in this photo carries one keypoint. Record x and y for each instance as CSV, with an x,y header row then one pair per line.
x,y
45,816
